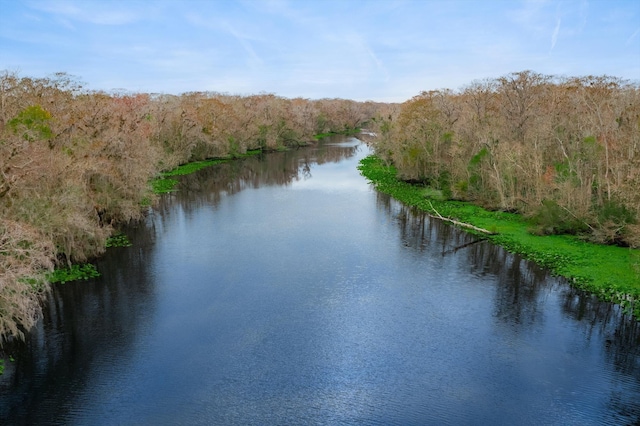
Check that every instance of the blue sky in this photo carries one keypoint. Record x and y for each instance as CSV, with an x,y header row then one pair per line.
x,y
381,50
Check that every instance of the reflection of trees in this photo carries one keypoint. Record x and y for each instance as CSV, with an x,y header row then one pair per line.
x,y
619,332
208,186
421,232
521,289
518,286
88,321
83,322
518,281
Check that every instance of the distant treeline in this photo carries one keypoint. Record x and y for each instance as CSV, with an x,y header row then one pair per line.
x,y
76,163
564,152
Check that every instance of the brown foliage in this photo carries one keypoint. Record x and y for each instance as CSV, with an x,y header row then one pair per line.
x,y
24,258
516,141
74,164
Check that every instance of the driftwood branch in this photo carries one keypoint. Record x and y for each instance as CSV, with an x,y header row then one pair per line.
x,y
458,223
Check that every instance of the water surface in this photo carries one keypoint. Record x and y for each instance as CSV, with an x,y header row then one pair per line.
x,y
284,290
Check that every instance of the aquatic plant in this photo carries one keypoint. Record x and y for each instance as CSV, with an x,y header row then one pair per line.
x,y
118,240
73,273
610,272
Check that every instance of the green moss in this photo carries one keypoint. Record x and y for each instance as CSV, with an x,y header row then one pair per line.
x,y
611,272
189,168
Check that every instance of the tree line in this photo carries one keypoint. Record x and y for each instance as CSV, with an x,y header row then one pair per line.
x,y
563,151
75,163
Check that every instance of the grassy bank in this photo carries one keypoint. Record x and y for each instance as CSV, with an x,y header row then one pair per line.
x,y
612,273
165,183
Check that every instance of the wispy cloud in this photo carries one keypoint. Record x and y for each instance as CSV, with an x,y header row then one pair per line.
x,y
254,59
99,13
633,36
360,49
554,36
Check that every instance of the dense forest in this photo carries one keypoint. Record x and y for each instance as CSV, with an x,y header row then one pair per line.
x,y
565,152
75,163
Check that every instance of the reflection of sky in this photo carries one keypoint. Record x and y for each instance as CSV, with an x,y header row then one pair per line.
x,y
330,178
334,177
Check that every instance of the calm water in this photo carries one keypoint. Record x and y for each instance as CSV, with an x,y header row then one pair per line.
x,y
284,290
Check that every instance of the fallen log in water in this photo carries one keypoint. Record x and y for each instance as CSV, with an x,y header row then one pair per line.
x,y
458,223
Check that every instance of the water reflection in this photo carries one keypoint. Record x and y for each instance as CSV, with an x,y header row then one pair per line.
x,y
523,292
283,290
209,186
92,327
88,326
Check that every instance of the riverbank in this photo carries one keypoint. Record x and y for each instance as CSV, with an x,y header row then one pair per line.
x,y
163,184
76,164
610,272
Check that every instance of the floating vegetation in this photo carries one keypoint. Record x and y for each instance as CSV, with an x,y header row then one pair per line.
x,y
11,359
610,272
118,240
74,273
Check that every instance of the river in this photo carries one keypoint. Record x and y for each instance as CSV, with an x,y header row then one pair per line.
x,y
285,290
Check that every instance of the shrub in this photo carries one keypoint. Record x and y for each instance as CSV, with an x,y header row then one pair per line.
x,y
550,219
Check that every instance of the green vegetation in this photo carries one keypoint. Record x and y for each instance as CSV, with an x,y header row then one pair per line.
x,y
346,132
73,273
85,271
611,272
32,123
118,240
11,359
164,184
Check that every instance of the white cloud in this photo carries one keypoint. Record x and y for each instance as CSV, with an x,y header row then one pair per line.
x,y
253,59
